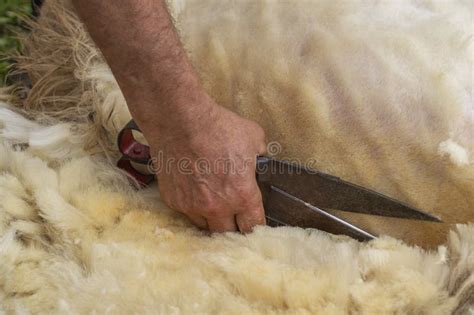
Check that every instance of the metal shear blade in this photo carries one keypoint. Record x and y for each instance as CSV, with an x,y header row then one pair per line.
x,y
308,192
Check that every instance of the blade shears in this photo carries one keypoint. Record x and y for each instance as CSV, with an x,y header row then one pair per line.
x,y
292,194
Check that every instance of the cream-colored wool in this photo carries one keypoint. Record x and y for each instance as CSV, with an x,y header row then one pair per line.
x,y
78,240
379,93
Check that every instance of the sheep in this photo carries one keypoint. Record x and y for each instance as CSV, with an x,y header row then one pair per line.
x,y
378,93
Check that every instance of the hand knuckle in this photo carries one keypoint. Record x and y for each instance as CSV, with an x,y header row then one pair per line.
x,y
247,203
249,192
211,211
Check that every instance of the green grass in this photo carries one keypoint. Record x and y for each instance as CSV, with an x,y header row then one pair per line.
x,y
10,22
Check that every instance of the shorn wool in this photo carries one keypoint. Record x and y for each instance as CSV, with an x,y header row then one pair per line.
x,y
378,93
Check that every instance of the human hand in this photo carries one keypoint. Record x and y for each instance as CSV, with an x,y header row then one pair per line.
x,y
206,169
178,119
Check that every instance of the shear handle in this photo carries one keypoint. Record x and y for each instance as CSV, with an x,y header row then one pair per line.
x,y
142,179
130,147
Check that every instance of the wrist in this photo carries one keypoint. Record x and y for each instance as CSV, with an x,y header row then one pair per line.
x,y
167,100
178,117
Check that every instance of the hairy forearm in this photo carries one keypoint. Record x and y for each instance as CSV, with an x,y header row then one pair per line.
x,y
141,46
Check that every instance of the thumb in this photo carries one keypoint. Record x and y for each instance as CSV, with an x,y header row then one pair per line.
x,y
251,217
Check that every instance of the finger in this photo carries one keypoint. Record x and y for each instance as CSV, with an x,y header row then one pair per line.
x,y
222,224
198,221
249,218
262,149
246,221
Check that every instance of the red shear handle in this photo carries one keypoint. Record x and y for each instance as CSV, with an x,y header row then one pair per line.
x,y
130,147
143,179
133,151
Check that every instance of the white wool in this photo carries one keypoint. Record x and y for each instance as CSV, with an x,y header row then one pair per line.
x,y
112,107
456,153
175,7
55,142
91,247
